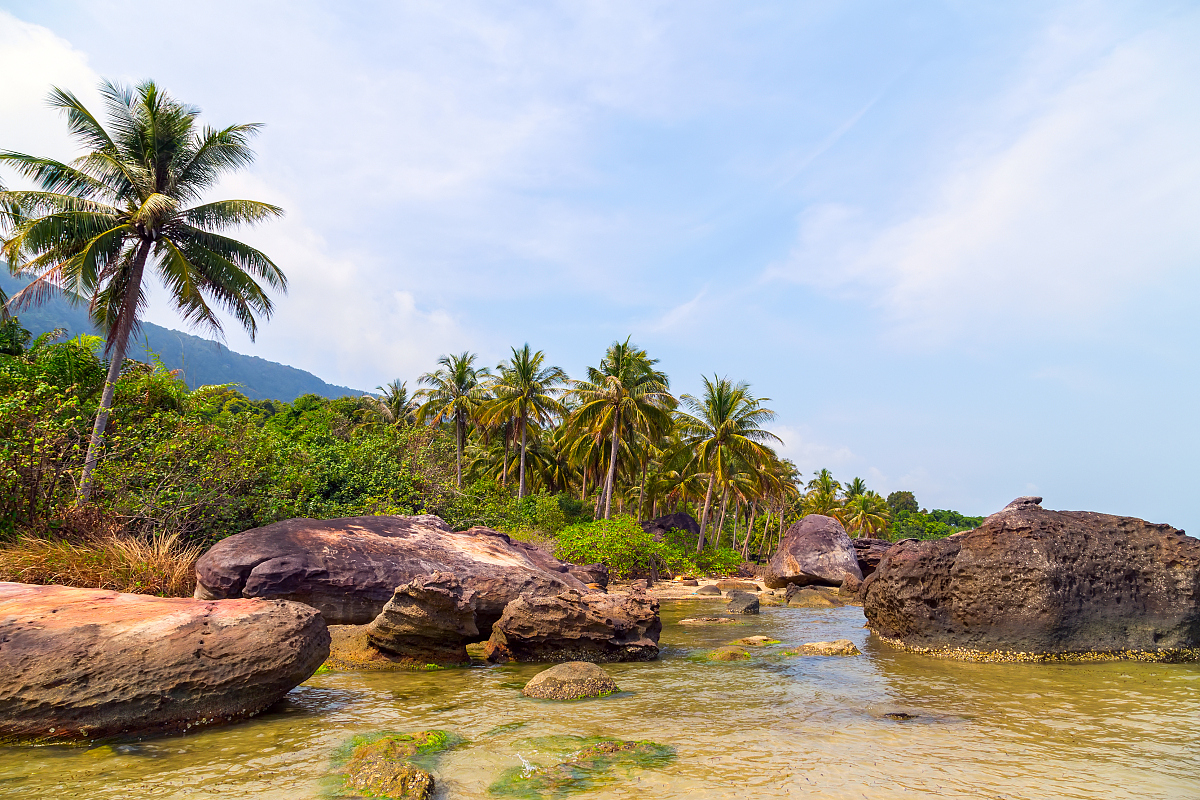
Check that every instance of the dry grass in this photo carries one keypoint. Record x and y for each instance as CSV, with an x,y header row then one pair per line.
x,y
160,566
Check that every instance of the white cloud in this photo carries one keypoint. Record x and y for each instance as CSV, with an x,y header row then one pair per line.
x,y
1094,198
810,455
32,59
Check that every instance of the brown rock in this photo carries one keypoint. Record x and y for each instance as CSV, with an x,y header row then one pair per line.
x,y
850,588
350,649
1035,582
90,663
803,597
427,621
707,621
738,586
348,569
743,603
815,550
728,653
687,581
869,553
590,574
577,627
709,590
572,680
842,647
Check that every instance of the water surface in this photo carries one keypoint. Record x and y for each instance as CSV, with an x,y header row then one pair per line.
x,y
771,727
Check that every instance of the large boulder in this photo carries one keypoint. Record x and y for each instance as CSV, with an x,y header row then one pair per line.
x,y
90,663
1032,583
349,568
429,620
869,553
815,550
680,520
571,680
573,626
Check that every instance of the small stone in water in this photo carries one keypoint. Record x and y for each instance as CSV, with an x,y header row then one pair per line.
x,y
901,716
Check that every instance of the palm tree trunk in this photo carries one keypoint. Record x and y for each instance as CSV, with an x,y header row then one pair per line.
x,y
583,494
458,429
721,524
762,543
749,531
612,464
737,512
704,516
521,488
504,474
128,308
642,488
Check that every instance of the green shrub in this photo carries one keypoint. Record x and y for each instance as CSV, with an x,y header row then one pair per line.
x,y
618,543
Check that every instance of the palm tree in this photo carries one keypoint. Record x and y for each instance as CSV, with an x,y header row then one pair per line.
x,y
98,221
723,424
453,391
823,482
854,488
868,512
624,392
395,404
526,391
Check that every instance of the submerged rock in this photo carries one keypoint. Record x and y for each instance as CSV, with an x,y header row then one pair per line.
x,y
706,621
573,680
578,627
841,647
1035,584
730,652
803,597
427,621
381,765
757,641
588,765
90,663
815,550
742,603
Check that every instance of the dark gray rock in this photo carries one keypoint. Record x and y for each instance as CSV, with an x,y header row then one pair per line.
x,y
680,520
815,550
1035,582
709,591
742,603
869,553
590,574
349,568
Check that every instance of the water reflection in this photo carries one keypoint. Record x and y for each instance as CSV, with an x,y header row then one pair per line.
x,y
769,727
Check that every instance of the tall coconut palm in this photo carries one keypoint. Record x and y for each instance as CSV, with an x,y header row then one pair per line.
x,y
624,392
526,391
723,424
97,222
855,488
453,391
867,513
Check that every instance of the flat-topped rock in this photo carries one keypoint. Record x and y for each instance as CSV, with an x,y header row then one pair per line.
x,y
743,603
349,568
815,550
1034,583
573,680
90,663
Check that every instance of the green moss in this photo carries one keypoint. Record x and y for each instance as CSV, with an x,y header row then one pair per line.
x,y
593,763
389,764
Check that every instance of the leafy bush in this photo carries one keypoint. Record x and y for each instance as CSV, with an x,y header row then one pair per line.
x,y
619,543
935,524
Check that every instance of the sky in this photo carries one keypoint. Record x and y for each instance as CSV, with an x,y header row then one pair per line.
x,y
955,243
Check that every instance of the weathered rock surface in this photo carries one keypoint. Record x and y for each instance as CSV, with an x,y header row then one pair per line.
x,y
349,568
379,765
1041,583
841,647
756,641
707,621
743,603
850,589
708,590
573,626
804,597
869,553
687,582
680,520
429,620
89,663
815,550
573,680
729,652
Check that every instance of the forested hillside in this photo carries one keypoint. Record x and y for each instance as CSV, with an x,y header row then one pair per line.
x,y
201,362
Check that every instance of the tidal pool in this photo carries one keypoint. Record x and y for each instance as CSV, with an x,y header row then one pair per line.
x,y
768,727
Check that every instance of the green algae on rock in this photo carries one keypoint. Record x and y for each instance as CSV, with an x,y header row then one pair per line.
x,y
728,653
841,647
593,762
1168,655
388,764
573,680
756,641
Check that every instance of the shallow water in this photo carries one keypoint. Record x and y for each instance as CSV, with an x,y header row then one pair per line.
x,y
771,727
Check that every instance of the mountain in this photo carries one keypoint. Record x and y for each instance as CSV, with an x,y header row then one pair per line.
x,y
200,361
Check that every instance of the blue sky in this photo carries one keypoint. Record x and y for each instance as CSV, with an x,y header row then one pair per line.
x,y
956,243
